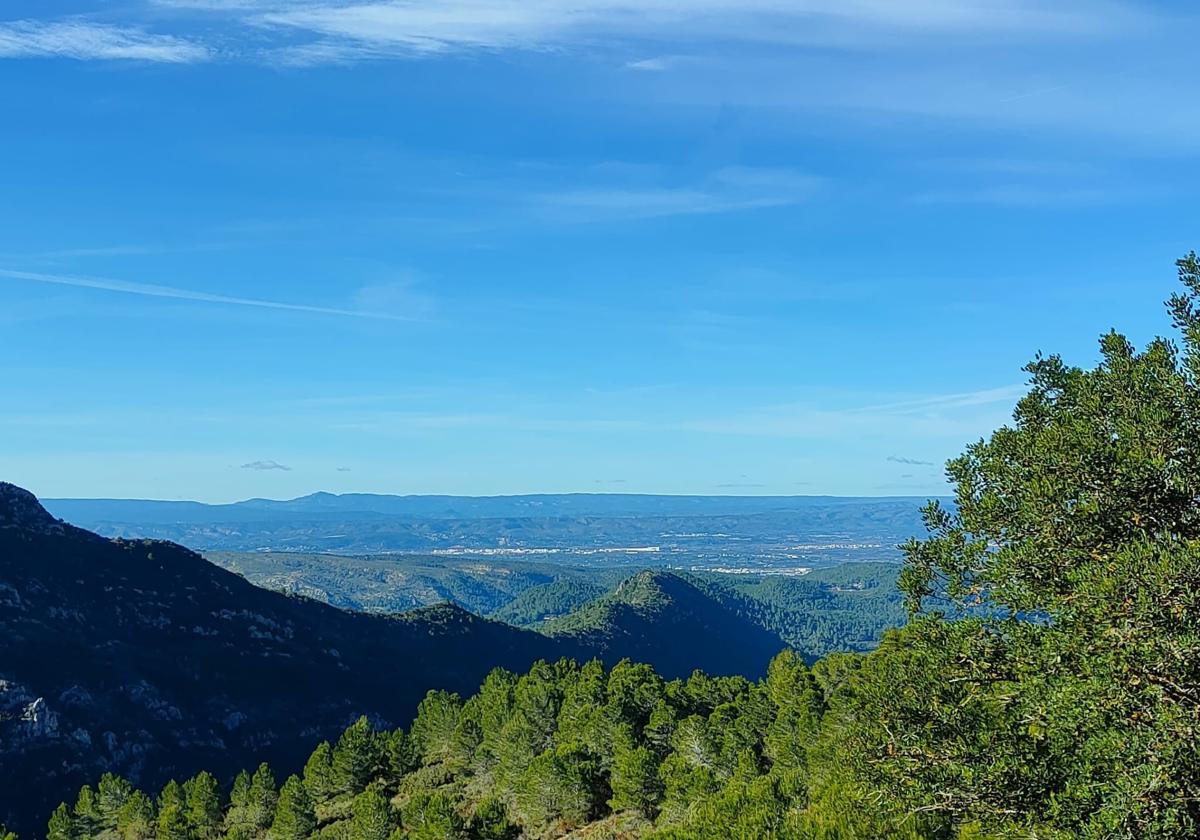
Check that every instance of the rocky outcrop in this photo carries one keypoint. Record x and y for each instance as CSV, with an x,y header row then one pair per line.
x,y
20,510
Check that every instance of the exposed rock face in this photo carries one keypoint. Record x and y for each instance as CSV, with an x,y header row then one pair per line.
x,y
24,719
144,659
38,721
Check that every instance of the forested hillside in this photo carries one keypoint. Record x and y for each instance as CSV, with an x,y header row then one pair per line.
x,y
145,659
1046,688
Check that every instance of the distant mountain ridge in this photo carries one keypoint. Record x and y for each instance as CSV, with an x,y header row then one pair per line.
x,y
364,523
456,507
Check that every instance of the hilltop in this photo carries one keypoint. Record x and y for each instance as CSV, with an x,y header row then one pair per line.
x,y
663,620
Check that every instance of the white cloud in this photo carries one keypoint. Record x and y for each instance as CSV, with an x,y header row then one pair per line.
x,y
81,39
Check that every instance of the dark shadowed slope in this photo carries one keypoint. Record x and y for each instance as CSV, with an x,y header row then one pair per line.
x,y
144,658
661,619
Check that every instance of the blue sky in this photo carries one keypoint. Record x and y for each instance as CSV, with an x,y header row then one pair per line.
x,y
262,248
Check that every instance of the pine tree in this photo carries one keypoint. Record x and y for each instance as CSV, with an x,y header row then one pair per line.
x,y
61,826
402,756
237,819
261,798
172,823
136,819
203,805
354,757
432,816
372,817
318,773
435,725
172,794
86,814
295,818
111,794
635,782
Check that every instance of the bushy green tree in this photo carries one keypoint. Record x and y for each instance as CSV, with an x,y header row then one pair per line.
x,y
354,758
111,794
295,817
431,815
172,823
433,731
371,817
635,782
1058,595
402,756
202,797
136,819
86,815
562,787
61,825
261,798
318,773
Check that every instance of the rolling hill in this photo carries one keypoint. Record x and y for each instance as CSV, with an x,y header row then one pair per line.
x,y
664,620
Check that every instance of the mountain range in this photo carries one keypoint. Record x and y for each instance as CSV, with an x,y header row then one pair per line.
x,y
364,523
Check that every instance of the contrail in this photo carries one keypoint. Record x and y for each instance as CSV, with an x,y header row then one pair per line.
x,y
153,290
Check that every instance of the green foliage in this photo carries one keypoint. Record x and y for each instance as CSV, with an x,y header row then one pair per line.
x,y
112,792
261,798
61,825
136,820
371,817
202,798
86,816
318,772
354,757
432,816
635,781
295,816
433,731
172,823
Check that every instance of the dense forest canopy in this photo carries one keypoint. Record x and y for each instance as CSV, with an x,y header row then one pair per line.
x,y
1048,685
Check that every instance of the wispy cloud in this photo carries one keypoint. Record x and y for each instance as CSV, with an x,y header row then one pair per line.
x,y
914,462
83,39
157,291
726,190
266,465
343,30
654,65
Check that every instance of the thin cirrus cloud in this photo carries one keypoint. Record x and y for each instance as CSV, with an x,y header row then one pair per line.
x,y
727,190
157,291
85,40
347,30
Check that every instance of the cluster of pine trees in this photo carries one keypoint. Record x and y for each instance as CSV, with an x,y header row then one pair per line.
x,y
1046,688
534,755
